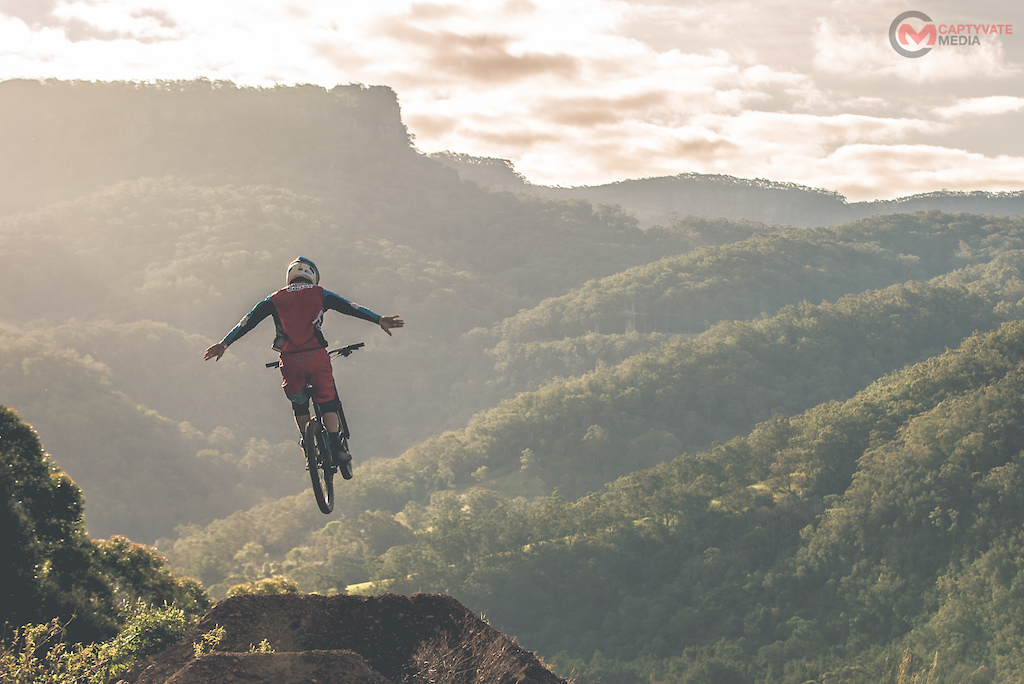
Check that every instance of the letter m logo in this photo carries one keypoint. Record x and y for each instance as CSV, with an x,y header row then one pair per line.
x,y
926,36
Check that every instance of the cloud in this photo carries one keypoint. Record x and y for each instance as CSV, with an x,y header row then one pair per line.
x,y
93,20
799,131
518,137
982,106
161,17
863,172
35,13
483,57
595,109
795,147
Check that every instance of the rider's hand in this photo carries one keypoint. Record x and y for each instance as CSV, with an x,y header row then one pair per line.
x,y
215,351
389,322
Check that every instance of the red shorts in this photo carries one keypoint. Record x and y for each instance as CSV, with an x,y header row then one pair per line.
x,y
313,367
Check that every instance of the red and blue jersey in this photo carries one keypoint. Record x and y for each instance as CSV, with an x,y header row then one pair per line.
x,y
298,311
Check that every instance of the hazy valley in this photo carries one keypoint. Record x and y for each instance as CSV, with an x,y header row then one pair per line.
x,y
690,429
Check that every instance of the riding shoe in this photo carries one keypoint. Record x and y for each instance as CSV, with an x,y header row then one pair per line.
x,y
342,458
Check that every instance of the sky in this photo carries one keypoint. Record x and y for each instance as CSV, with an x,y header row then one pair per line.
x,y
587,92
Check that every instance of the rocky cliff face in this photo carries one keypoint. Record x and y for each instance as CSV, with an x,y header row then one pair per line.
x,y
346,639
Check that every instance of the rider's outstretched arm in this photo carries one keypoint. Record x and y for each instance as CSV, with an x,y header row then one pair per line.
x,y
248,322
341,305
338,303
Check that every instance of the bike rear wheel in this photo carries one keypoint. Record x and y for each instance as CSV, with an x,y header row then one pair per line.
x,y
320,472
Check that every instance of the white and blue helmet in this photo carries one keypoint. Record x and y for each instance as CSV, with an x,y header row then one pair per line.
x,y
303,268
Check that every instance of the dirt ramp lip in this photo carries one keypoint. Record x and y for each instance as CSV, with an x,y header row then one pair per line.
x,y
348,639
336,667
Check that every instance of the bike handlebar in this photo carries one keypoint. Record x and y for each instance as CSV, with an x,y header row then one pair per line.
x,y
345,351
341,351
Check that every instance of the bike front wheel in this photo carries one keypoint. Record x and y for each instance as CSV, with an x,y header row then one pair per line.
x,y
318,459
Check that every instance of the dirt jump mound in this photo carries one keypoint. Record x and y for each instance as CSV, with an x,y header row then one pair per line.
x,y
387,639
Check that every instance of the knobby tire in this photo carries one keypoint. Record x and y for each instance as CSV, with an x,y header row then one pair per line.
x,y
318,460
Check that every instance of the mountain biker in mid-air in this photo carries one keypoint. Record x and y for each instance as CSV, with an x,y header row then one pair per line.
x,y
298,311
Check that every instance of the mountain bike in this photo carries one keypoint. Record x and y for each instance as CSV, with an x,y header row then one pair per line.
x,y
320,462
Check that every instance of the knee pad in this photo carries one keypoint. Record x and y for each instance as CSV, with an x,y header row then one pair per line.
x,y
332,406
298,398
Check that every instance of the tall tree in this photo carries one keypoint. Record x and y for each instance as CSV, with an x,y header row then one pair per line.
x,y
40,519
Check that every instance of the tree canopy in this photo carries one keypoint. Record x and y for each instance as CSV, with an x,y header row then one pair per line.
x,y
50,567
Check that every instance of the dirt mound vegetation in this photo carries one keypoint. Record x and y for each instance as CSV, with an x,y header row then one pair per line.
x,y
297,638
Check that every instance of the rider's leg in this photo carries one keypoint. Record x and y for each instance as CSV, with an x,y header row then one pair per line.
x,y
300,407
333,426
293,382
331,412
331,422
321,377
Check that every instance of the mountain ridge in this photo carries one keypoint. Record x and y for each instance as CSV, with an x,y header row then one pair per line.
x,y
660,200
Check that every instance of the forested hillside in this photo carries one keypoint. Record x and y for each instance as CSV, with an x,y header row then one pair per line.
x,y
707,450
837,545
574,436
687,293
834,541
142,276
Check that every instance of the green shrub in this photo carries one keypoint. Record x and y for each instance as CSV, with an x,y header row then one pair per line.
x,y
268,585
